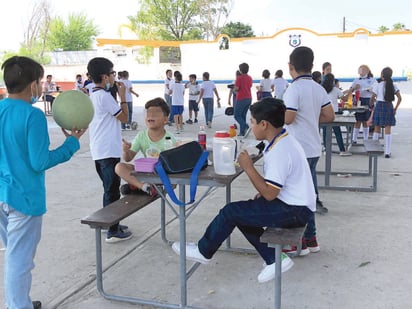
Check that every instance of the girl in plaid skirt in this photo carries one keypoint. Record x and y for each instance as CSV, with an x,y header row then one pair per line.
x,y
383,114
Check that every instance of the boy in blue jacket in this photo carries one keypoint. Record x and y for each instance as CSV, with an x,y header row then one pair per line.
x,y
24,158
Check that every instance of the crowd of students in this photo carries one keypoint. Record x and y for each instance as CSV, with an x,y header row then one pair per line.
x,y
288,122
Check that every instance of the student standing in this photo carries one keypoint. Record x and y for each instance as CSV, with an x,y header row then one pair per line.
x,y
280,84
194,91
364,83
106,135
243,87
307,105
207,89
383,114
334,93
177,91
266,85
129,98
24,158
168,97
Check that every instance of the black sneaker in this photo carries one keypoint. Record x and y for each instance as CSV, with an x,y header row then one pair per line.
x,y
125,190
119,235
36,304
320,209
195,120
189,121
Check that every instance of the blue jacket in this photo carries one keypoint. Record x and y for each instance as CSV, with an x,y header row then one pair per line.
x,y
25,156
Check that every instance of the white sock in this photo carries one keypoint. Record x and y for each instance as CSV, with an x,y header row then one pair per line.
x,y
355,134
375,136
145,187
388,141
365,134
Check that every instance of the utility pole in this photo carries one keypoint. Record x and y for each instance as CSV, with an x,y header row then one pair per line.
x,y
344,24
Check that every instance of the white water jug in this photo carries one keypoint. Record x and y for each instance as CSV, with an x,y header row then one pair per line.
x,y
224,153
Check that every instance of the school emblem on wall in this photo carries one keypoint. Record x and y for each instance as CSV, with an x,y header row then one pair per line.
x,y
294,40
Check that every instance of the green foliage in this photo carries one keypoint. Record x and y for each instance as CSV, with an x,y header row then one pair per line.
x,y
166,19
238,30
76,34
399,27
34,52
144,54
383,29
395,27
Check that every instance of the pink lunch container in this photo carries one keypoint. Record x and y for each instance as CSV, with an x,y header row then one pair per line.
x,y
145,165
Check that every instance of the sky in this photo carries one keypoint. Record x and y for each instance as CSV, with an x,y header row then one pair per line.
x,y
266,17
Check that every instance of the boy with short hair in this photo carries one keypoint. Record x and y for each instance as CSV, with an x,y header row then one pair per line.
x,y
177,91
286,197
307,105
24,158
149,142
106,135
194,90
129,98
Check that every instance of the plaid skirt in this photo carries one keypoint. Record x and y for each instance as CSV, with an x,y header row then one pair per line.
x,y
383,114
363,116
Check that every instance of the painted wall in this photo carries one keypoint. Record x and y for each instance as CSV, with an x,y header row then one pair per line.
x,y
346,52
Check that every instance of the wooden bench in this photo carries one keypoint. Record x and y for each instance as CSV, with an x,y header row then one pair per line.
x,y
108,216
277,238
117,211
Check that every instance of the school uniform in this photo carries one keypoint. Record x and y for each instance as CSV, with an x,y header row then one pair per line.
x,y
384,113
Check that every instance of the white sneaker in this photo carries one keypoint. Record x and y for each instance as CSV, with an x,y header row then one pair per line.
x,y
268,272
345,153
192,252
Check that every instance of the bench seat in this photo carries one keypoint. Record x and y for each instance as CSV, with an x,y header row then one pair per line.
x,y
118,210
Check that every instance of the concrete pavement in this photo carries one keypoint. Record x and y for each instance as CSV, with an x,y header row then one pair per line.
x,y
364,239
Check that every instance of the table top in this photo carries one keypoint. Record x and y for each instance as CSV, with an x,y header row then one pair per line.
x,y
341,120
357,109
207,177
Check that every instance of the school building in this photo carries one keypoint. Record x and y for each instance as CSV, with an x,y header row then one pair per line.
x,y
221,57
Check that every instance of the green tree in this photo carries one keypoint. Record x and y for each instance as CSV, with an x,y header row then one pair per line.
x,y
383,29
167,20
179,20
398,27
237,30
76,34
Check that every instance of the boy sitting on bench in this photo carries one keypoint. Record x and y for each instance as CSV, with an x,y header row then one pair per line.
x,y
286,196
150,142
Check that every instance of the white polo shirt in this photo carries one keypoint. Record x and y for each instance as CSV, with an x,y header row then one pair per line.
x,y
178,94
366,85
105,129
286,168
306,97
379,90
208,87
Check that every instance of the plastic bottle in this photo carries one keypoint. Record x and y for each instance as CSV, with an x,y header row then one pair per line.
x,y
168,142
201,137
224,149
232,131
357,97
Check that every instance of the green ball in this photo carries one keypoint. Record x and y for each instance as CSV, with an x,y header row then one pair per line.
x,y
73,109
